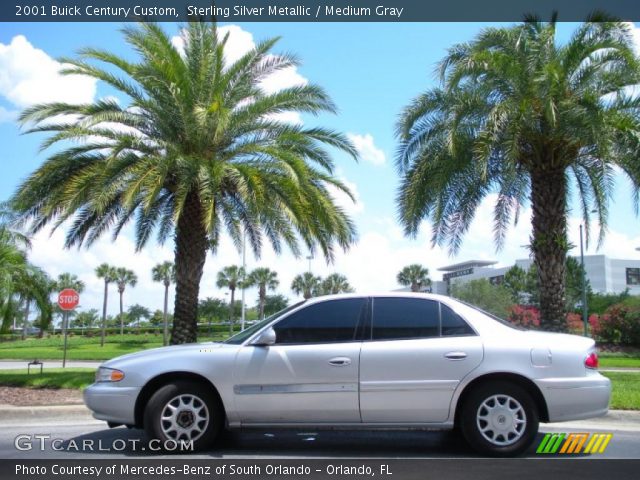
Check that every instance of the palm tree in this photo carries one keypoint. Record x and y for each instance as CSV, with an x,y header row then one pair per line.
x,y
305,284
231,277
520,116
196,151
123,278
68,280
108,274
415,275
164,273
335,283
137,312
265,279
21,283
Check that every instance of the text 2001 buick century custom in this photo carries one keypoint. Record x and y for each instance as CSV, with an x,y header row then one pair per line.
x,y
357,361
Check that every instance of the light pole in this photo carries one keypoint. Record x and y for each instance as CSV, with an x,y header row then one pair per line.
x,y
309,257
585,315
244,266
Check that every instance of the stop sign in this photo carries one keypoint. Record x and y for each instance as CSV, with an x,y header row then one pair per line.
x,y
68,299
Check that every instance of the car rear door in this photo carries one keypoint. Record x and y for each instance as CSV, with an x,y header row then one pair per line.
x,y
418,353
311,374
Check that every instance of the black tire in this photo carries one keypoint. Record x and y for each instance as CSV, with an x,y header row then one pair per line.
x,y
204,401
510,436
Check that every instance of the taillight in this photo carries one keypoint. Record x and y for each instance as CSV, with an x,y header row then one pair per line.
x,y
591,361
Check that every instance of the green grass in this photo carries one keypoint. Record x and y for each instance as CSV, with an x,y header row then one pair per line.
x,y
613,360
626,390
50,378
82,348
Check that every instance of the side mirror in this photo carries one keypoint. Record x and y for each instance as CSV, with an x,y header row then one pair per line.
x,y
266,338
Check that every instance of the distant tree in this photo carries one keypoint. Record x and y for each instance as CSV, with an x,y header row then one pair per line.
x,y
212,309
137,312
415,276
305,284
573,284
124,278
494,299
164,273
599,302
334,284
231,277
69,280
156,318
275,303
265,279
86,318
107,273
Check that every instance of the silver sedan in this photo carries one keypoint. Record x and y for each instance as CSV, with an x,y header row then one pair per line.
x,y
394,360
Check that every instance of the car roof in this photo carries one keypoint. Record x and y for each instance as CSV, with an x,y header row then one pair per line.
x,y
421,295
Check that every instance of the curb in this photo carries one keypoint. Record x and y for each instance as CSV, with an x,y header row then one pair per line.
x,y
13,415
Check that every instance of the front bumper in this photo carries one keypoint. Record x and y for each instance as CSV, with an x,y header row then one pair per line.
x,y
576,398
112,403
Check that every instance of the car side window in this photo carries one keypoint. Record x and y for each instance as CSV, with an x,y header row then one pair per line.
x,y
453,324
398,318
325,322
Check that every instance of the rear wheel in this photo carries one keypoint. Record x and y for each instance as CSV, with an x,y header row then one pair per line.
x,y
183,412
499,419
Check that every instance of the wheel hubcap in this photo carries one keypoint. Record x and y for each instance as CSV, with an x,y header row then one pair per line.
x,y
184,417
501,420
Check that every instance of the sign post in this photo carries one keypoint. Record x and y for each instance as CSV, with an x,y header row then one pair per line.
x,y
68,299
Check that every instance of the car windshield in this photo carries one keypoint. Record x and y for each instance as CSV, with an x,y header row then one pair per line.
x,y
238,338
504,322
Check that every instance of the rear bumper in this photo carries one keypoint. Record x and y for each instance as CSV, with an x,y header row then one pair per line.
x,y
576,398
111,403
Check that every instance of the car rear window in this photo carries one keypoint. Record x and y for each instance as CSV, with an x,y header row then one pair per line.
x,y
398,318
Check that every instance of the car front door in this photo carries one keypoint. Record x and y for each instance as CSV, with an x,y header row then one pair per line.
x,y
310,375
418,353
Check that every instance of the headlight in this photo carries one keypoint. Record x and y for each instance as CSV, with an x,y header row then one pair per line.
x,y
104,374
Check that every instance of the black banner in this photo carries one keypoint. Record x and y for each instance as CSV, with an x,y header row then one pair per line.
x,y
308,10
313,469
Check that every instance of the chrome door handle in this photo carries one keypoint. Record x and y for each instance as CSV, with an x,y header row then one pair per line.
x,y
455,355
340,361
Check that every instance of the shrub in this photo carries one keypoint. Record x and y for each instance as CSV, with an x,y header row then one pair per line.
x,y
620,325
524,316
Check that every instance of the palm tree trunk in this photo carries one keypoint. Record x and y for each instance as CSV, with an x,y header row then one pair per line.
x,y
190,255
121,315
26,318
550,245
165,331
263,294
233,294
104,313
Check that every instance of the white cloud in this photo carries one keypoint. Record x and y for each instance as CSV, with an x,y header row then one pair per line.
x,y
635,33
367,149
29,76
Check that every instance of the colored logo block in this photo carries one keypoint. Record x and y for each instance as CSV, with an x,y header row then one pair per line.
x,y
573,443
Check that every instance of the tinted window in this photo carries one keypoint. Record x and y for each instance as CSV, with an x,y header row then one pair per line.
x,y
453,324
395,318
326,322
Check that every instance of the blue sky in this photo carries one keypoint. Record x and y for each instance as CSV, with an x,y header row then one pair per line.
x,y
370,70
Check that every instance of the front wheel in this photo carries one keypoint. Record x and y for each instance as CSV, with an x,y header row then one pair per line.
x,y
499,419
183,412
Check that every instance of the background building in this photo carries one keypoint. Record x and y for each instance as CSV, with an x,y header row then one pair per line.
x,y
606,275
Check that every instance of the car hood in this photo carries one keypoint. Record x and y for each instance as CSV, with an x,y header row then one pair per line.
x,y
163,352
